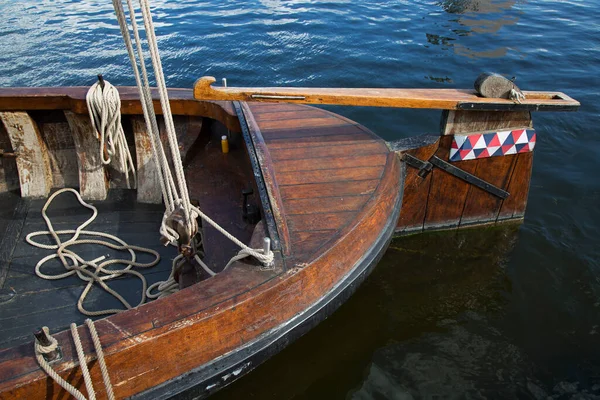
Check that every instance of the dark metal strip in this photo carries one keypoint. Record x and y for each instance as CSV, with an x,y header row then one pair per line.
x,y
515,107
469,178
260,182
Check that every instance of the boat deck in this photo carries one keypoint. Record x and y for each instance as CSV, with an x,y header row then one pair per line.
x,y
324,170
31,302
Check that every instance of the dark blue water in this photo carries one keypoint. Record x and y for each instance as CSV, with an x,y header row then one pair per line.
x,y
491,313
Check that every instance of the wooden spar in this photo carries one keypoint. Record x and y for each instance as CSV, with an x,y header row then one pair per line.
x,y
443,99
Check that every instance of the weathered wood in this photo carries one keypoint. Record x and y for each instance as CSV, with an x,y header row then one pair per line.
x,y
9,175
514,206
481,206
445,99
93,182
33,162
416,192
61,151
465,122
73,99
148,184
448,193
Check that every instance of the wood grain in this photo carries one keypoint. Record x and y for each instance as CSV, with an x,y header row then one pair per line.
x,y
514,206
33,162
445,99
93,182
148,184
73,99
416,192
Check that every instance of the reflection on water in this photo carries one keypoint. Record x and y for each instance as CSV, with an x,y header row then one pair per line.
x,y
416,327
534,319
484,17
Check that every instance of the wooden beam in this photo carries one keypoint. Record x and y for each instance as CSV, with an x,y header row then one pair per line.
x,y
445,99
148,185
93,183
33,163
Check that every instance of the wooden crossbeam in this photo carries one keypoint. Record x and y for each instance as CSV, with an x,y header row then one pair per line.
x,y
444,99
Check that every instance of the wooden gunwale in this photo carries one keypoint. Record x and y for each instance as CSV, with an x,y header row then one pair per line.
x,y
166,338
73,99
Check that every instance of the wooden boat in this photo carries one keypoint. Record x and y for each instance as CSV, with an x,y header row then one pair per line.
x,y
328,192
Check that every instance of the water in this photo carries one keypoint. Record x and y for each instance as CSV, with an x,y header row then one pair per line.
x,y
513,312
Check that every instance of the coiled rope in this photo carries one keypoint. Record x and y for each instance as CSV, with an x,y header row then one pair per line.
x,y
104,106
93,271
40,350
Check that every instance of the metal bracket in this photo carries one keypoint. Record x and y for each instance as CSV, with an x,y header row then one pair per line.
x,y
425,167
469,178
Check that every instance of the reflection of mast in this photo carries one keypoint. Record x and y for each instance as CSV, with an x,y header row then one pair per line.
x,y
472,14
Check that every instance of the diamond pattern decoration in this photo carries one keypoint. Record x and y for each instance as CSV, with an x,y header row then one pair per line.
x,y
492,144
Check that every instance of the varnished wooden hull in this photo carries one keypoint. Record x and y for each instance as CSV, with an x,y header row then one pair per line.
x,y
330,231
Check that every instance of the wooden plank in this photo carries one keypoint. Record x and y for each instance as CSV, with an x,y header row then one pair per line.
x,y
93,183
319,221
466,122
268,171
307,242
447,196
62,154
514,206
311,123
416,192
287,134
330,163
33,162
481,206
445,99
325,204
148,184
329,175
318,141
73,99
329,189
9,175
350,149
286,114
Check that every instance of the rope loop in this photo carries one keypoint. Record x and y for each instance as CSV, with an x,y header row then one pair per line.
x,y
104,107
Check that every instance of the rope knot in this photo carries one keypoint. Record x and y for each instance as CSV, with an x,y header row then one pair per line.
x,y
41,349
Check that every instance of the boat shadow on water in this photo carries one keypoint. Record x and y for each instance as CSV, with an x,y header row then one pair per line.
x,y
421,326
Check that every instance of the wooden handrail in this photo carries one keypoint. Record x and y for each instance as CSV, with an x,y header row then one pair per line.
x,y
444,99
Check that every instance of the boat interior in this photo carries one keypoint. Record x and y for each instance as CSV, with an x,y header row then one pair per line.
x,y
297,174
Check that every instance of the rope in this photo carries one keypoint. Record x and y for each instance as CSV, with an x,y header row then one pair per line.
x,y
174,195
94,271
104,106
45,365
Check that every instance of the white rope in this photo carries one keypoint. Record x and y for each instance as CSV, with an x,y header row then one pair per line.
x,y
93,271
104,106
175,192
45,365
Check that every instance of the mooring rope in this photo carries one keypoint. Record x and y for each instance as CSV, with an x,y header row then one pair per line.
x,y
173,195
104,106
98,273
41,350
